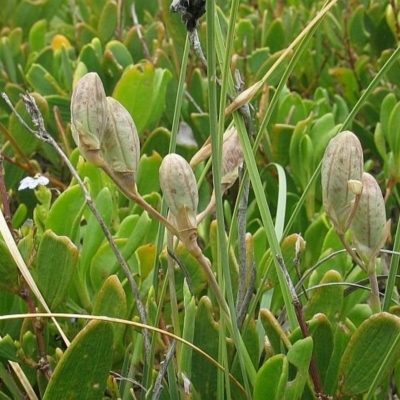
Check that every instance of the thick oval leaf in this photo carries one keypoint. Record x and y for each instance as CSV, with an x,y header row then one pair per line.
x,y
65,214
94,235
141,90
57,258
111,301
8,271
299,355
271,379
366,353
326,299
85,366
204,375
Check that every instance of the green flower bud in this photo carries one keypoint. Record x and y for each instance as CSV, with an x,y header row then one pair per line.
x,y
179,187
342,162
369,227
89,117
120,145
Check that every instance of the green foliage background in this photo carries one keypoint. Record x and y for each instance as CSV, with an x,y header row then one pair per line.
x,y
345,74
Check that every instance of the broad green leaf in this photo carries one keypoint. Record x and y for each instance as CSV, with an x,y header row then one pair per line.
x,y
341,337
42,81
326,299
56,262
147,177
108,21
65,214
299,355
244,37
185,361
141,90
37,35
275,36
204,375
120,53
104,262
373,349
271,379
8,271
85,365
273,331
111,302
94,235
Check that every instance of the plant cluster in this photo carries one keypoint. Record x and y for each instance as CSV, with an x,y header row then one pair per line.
x,y
199,199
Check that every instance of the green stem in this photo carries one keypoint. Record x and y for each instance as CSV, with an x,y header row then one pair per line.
x,y
374,299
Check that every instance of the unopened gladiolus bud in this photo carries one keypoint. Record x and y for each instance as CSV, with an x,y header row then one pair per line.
x,y
178,184
89,117
232,159
342,161
120,145
369,226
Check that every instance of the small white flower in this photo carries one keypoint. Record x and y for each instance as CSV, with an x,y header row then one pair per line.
x,y
32,183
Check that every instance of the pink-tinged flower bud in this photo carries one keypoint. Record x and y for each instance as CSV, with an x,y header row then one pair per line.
x,y
369,226
120,145
179,188
89,117
342,162
178,184
232,159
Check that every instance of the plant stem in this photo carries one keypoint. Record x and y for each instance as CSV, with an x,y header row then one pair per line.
x,y
374,298
303,326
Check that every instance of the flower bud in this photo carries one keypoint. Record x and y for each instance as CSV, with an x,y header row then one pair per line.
x,y
120,145
179,187
369,227
89,117
342,161
232,159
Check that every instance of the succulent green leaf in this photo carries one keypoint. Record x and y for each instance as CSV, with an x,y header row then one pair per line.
x,y
204,375
271,379
141,90
94,235
85,365
37,35
373,349
299,355
326,299
185,361
275,36
120,53
341,337
8,271
111,302
147,177
43,81
104,263
65,214
56,262
108,21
